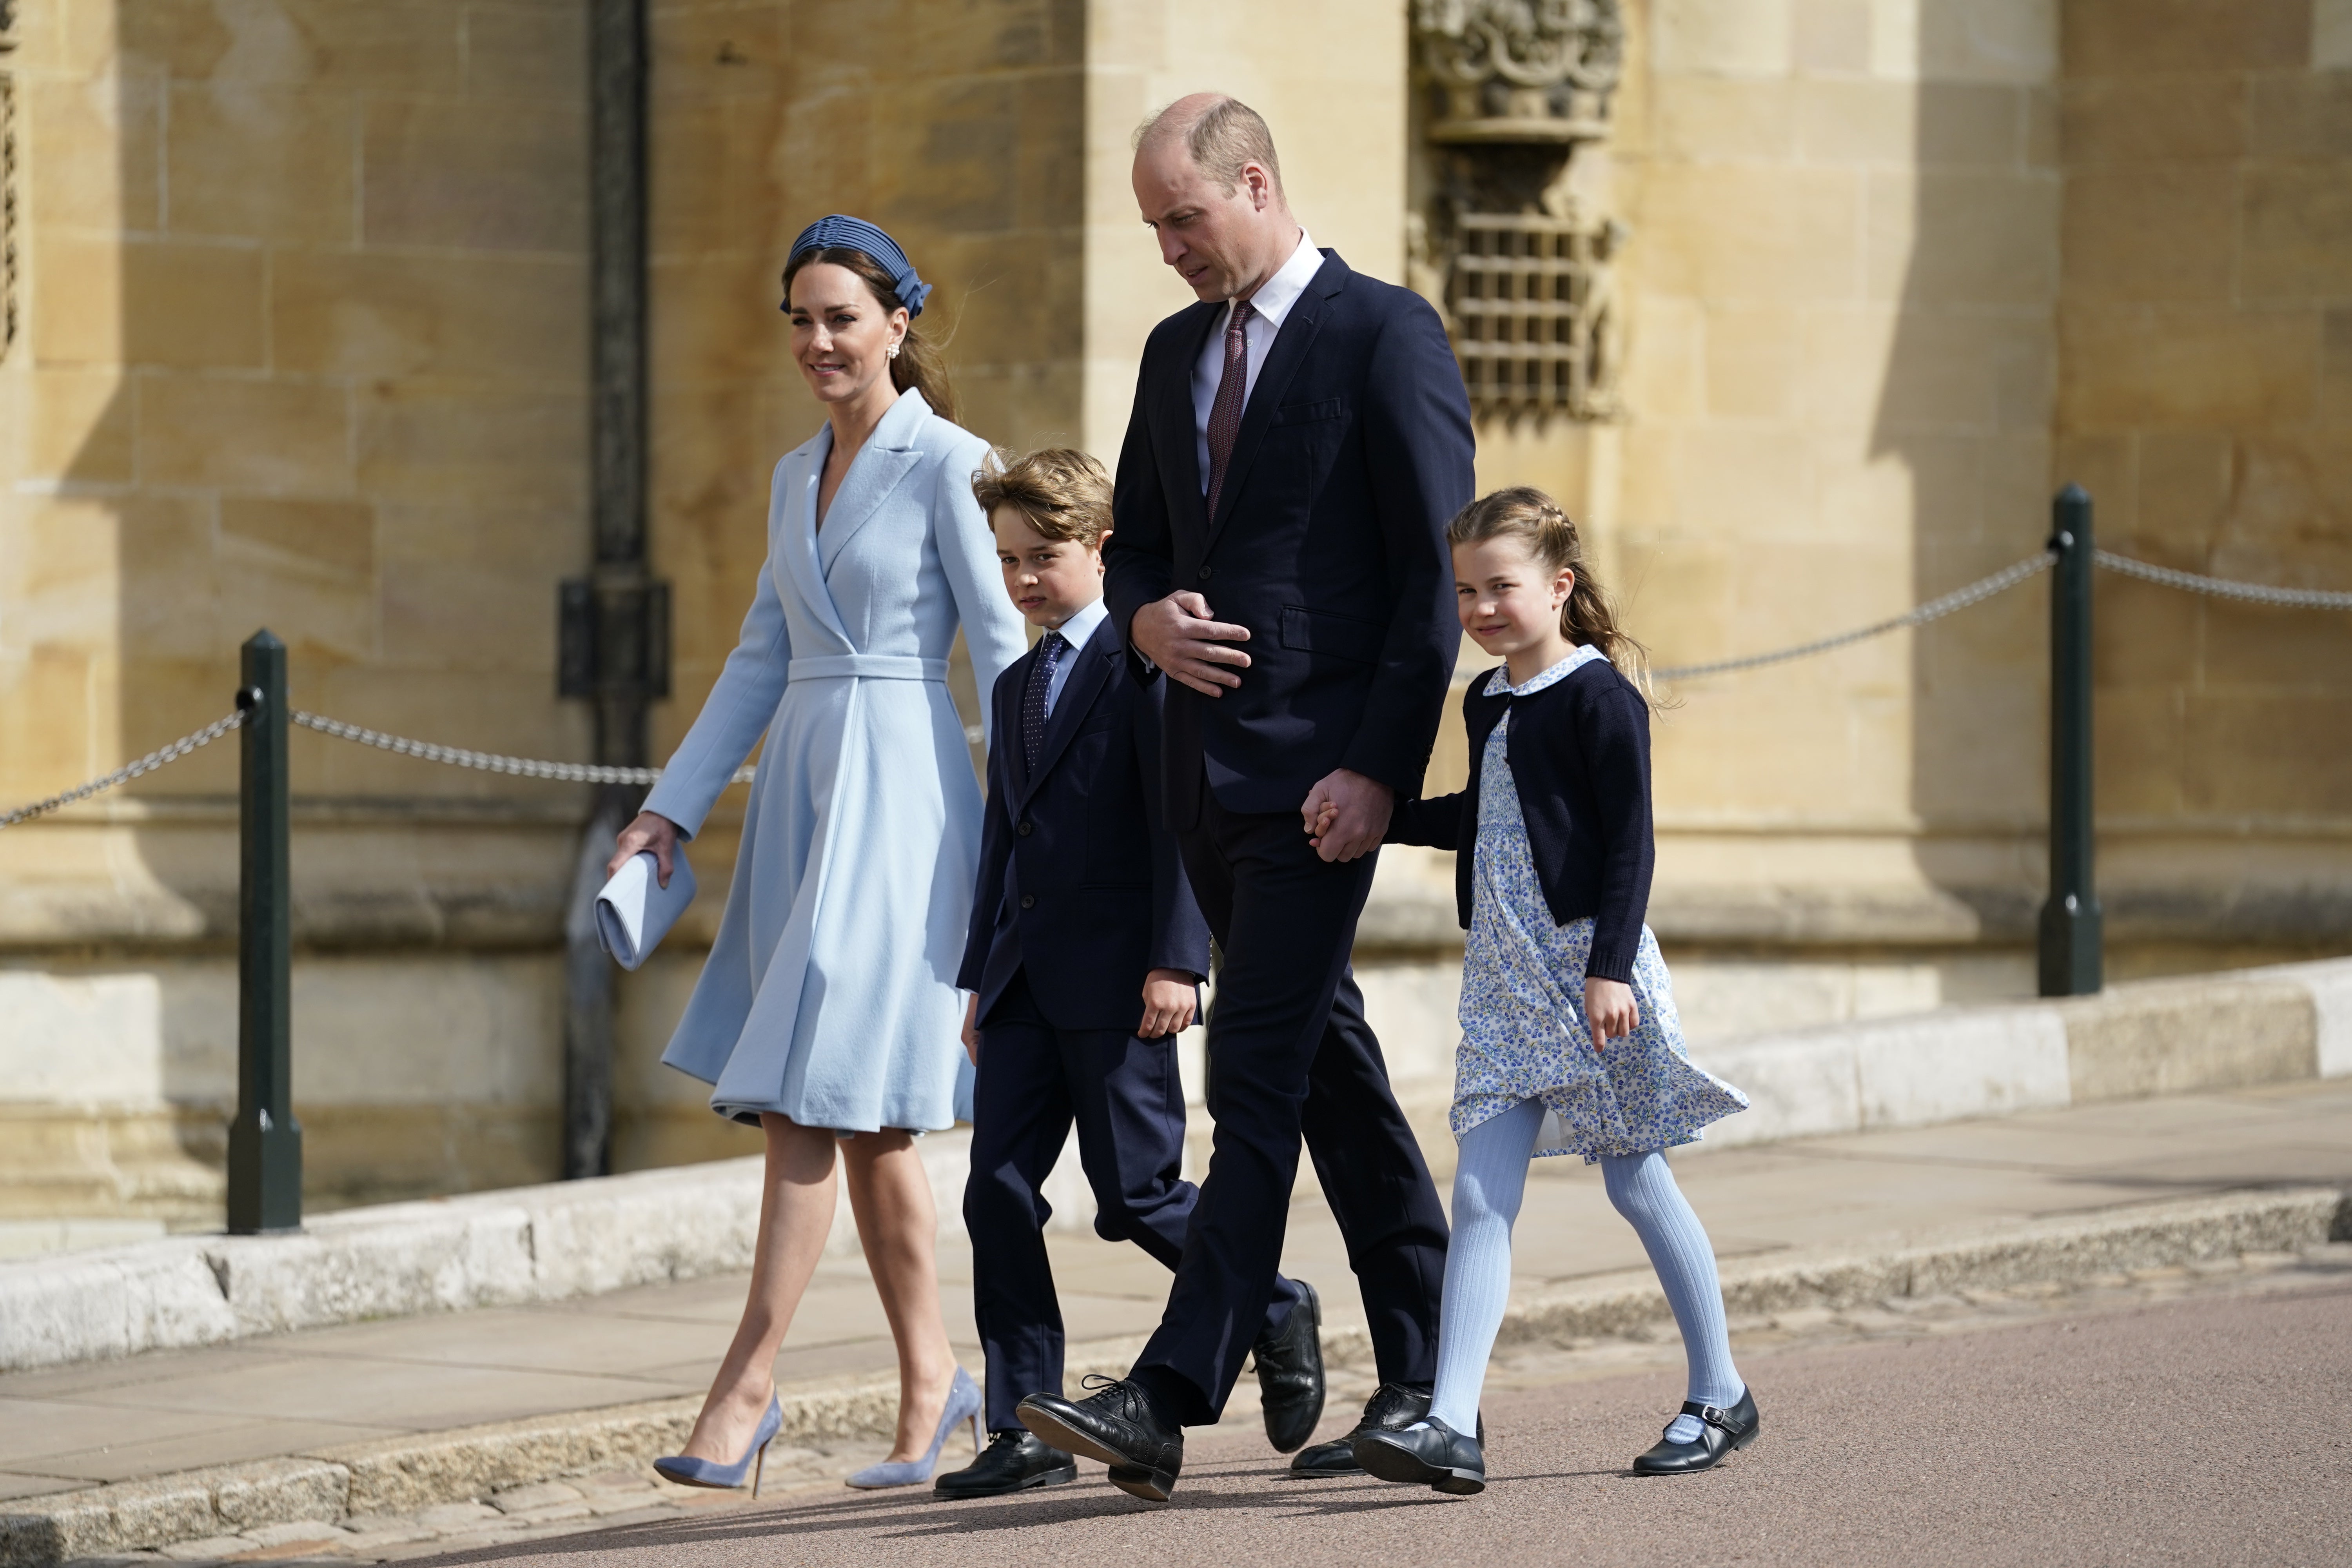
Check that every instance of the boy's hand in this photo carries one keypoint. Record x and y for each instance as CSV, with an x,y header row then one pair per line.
x,y
971,1028
1168,995
1609,1011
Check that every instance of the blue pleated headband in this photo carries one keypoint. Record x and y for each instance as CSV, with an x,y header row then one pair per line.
x,y
843,232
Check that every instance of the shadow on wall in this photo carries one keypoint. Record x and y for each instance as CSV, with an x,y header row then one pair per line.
x,y
1970,264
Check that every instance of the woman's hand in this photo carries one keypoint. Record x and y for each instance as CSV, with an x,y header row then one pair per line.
x,y
1609,1011
1168,995
652,831
971,1028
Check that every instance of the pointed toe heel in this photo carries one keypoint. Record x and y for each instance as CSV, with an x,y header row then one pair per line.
x,y
964,1407
689,1471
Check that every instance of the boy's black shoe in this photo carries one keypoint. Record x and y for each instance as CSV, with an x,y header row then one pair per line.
x,y
1013,1462
1118,1425
1433,1453
1392,1407
1720,1432
1290,1373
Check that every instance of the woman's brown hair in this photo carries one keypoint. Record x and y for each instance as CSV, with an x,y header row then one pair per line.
x,y
1062,492
918,363
1526,514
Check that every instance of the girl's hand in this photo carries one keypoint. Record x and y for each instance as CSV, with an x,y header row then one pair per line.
x,y
971,1028
1319,813
1609,1011
652,831
1167,1000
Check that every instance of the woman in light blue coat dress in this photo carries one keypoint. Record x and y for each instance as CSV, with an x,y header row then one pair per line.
x,y
828,1014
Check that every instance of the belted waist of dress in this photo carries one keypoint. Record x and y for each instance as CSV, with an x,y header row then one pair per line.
x,y
866,666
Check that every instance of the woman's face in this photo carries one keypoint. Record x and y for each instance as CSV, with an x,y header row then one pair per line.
x,y
841,335
1509,604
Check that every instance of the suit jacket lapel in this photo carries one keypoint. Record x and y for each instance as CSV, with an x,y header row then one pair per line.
x,y
1008,726
1088,677
1178,432
1289,352
885,459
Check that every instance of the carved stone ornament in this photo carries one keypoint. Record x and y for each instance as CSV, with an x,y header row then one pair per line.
x,y
1520,71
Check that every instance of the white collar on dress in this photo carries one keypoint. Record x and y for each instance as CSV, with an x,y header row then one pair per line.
x,y
1499,683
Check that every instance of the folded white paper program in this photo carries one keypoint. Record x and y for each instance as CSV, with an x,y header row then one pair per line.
x,y
635,911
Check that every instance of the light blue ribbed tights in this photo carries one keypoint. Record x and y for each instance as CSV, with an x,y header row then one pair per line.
x,y
1488,1183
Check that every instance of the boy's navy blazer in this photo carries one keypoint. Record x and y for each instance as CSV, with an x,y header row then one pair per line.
x,y
1328,542
1097,896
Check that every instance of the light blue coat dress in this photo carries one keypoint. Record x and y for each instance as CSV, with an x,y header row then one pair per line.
x,y
830,992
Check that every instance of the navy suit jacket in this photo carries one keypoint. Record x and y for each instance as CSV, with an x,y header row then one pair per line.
x,y
1097,898
1328,542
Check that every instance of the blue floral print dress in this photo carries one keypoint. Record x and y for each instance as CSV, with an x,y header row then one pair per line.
x,y
1523,1029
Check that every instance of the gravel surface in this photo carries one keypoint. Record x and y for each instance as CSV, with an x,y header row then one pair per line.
x,y
2205,1428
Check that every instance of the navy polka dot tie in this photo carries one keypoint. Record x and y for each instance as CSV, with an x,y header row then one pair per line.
x,y
1033,699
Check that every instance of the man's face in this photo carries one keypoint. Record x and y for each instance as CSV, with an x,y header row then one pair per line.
x,y
1216,240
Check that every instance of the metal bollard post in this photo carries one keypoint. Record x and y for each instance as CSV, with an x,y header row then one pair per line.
x,y
2072,961
265,1143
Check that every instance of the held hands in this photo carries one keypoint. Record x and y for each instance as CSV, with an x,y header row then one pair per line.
x,y
1177,634
1168,999
1609,1011
652,831
1347,814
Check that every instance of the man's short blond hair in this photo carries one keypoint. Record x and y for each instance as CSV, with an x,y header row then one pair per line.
x,y
1221,138
1061,492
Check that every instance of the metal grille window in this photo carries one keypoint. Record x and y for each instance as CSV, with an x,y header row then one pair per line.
x,y
1532,313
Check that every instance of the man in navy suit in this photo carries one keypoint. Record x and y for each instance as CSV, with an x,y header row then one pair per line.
x,y
1080,905
1299,441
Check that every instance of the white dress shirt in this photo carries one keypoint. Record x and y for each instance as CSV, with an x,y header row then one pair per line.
x,y
1272,303
1075,631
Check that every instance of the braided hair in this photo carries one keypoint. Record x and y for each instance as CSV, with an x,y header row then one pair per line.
x,y
1526,514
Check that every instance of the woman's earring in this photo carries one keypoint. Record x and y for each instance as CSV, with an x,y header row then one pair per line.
x,y
892,351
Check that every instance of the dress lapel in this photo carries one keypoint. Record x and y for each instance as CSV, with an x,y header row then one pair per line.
x,y
1289,352
885,459
795,544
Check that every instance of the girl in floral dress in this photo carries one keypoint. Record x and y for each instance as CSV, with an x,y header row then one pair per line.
x,y
1569,1043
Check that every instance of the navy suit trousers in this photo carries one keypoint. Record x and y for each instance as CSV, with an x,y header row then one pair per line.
x,y
1290,1054
1126,1097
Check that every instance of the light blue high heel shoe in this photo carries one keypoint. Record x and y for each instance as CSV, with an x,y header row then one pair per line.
x,y
963,1405
689,1471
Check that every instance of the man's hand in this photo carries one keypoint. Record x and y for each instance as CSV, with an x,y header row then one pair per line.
x,y
1176,634
1609,1011
971,1028
652,831
1346,814
1168,998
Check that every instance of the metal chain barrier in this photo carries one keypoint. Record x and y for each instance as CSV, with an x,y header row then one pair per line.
x,y
587,772
2221,587
146,764
1933,609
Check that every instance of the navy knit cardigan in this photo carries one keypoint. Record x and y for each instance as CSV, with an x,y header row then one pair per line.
x,y
1579,755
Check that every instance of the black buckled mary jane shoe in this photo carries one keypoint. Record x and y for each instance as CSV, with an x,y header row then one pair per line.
x,y
1720,1433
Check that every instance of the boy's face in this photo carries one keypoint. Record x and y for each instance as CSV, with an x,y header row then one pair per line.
x,y
1049,580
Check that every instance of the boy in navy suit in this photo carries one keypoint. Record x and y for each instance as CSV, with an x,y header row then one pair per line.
x,y
1084,961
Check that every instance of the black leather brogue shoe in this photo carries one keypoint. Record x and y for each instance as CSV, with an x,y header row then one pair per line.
x,y
1720,1433
1013,1462
1119,1426
1392,1407
1431,1454
1290,1373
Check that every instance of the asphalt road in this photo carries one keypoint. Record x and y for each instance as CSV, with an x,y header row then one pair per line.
x,y
2213,1430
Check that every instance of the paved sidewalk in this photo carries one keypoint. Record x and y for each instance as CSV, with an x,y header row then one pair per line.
x,y
69,1428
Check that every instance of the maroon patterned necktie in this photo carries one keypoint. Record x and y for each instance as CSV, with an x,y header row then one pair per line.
x,y
1233,392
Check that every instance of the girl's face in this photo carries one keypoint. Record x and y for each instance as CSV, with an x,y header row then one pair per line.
x,y
1509,604
841,335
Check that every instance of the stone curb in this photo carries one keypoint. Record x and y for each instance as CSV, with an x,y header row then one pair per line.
x,y
405,1474
2231,1030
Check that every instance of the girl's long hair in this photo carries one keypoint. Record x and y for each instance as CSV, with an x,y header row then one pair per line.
x,y
918,363
1526,514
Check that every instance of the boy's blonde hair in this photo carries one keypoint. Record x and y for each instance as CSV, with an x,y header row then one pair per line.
x,y
1062,492
1526,514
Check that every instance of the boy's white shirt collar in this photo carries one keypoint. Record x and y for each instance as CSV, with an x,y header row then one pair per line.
x,y
1080,626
